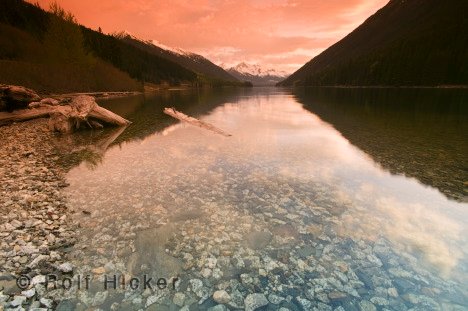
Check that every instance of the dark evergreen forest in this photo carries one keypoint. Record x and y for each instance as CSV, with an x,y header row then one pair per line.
x,y
406,43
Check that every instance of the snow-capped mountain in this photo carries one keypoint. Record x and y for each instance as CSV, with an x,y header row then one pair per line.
x,y
189,60
256,74
256,70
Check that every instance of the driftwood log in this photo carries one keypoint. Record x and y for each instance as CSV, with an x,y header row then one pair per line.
x,y
15,97
185,118
24,115
82,111
46,102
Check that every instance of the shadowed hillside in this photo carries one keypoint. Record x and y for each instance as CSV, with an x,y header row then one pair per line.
x,y
51,52
407,42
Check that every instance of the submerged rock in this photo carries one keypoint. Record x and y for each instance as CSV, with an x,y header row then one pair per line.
x,y
275,299
179,299
8,284
99,298
255,301
218,308
29,293
365,305
258,239
66,267
151,252
304,303
221,296
46,302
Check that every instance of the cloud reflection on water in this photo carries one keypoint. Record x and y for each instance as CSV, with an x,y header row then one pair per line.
x,y
275,140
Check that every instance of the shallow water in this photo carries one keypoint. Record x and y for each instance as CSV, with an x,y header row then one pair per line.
x,y
311,213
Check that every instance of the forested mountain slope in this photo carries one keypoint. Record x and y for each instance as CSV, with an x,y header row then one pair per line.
x,y
406,43
51,52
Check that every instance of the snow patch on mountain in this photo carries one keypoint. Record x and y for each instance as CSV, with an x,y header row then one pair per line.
x,y
126,34
256,74
170,49
256,70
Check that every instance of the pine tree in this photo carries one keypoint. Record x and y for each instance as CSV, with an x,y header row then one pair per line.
x,y
64,37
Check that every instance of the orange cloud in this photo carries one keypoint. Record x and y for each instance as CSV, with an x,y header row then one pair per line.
x,y
282,34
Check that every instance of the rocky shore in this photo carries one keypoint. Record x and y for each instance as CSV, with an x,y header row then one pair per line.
x,y
35,227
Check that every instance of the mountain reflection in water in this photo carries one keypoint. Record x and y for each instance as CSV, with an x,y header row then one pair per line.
x,y
420,133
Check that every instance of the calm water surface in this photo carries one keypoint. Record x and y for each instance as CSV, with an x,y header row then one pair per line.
x,y
320,199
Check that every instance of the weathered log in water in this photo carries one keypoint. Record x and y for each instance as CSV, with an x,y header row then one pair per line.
x,y
107,116
185,118
82,111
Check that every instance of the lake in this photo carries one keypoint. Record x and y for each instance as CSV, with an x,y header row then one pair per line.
x,y
322,199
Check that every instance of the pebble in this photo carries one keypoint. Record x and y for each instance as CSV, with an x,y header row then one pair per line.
x,y
411,298
18,301
66,267
221,296
304,303
32,225
218,308
179,299
365,305
336,295
275,299
392,292
99,270
255,301
196,285
206,273
151,300
38,279
29,293
99,298
211,262
46,302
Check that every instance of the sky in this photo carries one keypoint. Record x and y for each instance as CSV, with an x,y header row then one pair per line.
x,y
278,34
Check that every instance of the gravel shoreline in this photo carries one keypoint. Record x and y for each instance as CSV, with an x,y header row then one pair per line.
x,y
35,225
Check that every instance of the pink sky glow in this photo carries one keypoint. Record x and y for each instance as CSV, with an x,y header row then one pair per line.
x,y
279,34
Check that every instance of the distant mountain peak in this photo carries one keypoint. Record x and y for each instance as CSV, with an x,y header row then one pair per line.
x,y
257,70
256,74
